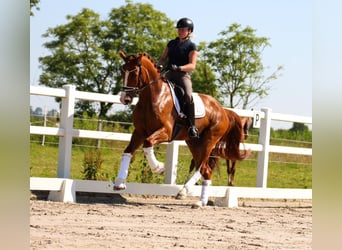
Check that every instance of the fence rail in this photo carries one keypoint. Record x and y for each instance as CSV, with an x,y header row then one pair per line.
x,y
66,132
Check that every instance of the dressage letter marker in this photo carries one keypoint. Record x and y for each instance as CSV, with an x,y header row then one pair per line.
x,y
256,119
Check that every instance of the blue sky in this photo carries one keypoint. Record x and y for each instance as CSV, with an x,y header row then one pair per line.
x,y
288,25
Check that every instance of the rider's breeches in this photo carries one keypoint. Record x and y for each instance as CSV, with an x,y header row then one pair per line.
x,y
182,79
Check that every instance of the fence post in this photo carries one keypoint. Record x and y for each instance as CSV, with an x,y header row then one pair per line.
x,y
264,140
66,122
171,163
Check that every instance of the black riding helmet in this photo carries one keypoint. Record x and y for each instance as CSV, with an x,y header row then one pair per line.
x,y
185,23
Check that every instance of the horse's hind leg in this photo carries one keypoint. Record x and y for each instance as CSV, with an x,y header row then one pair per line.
x,y
202,159
203,171
231,168
206,183
192,166
206,170
182,194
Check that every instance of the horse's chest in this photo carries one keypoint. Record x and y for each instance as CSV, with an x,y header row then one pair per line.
x,y
148,117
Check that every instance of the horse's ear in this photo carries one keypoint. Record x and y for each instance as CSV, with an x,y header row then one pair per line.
x,y
122,54
139,58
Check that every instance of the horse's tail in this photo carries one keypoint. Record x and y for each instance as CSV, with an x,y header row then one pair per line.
x,y
229,145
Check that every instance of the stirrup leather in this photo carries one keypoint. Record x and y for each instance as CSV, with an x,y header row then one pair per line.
x,y
193,132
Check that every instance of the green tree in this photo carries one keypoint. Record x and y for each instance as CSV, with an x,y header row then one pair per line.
x,y
299,127
236,59
78,56
38,111
84,51
34,4
139,28
203,77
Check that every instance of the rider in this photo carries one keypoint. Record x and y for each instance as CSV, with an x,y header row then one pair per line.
x,y
181,54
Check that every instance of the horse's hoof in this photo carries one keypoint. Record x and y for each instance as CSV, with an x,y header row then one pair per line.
x,y
160,169
198,204
181,194
119,185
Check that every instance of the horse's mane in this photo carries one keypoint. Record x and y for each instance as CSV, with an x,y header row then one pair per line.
x,y
150,58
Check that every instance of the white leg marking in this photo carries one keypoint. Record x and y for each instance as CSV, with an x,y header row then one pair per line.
x,y
120,182
155,165
205,192
197,175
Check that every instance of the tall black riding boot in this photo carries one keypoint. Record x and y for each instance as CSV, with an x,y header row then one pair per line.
x,y
190,110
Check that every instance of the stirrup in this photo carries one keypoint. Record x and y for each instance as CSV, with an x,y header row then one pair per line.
x,y
193,132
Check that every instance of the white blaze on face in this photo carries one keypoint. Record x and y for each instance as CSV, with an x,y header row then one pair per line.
x,y
123,94
124,98
126,78
127,72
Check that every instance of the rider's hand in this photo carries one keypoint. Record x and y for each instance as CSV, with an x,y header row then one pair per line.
x,y
175,67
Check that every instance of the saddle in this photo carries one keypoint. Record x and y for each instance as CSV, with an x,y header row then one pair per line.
x,y
178,96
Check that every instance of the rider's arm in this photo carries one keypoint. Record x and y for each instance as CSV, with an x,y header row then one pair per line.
x,y
192,62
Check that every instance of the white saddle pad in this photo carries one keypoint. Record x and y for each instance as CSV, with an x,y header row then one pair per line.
x,y
199,106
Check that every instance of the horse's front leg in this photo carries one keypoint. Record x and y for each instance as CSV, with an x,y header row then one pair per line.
x,y
155,165
134,144
160,135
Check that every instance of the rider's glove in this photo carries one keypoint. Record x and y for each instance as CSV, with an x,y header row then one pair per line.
x,y
160,67
175,67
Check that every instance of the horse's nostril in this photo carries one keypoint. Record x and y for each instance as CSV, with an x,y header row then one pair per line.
x,y
127,100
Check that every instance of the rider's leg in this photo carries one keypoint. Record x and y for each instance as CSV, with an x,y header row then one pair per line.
x,y
183,79
190,106
190,112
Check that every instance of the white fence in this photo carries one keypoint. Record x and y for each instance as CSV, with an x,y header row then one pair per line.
x,y
64,189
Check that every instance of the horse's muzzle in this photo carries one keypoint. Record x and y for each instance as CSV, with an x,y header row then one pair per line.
x,y
128,100
125,98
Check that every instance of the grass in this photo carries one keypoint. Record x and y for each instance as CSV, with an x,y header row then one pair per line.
x,y
284,171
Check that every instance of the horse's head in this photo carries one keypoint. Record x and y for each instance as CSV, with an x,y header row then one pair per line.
x,y
137,72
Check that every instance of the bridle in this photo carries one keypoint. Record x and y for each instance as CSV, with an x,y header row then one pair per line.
x,y
139,80
128,88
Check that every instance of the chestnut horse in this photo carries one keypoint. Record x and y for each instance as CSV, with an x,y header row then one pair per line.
x,y
246,123
156,120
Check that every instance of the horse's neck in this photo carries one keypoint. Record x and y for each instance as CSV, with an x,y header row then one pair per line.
x,y
155,91
155,87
